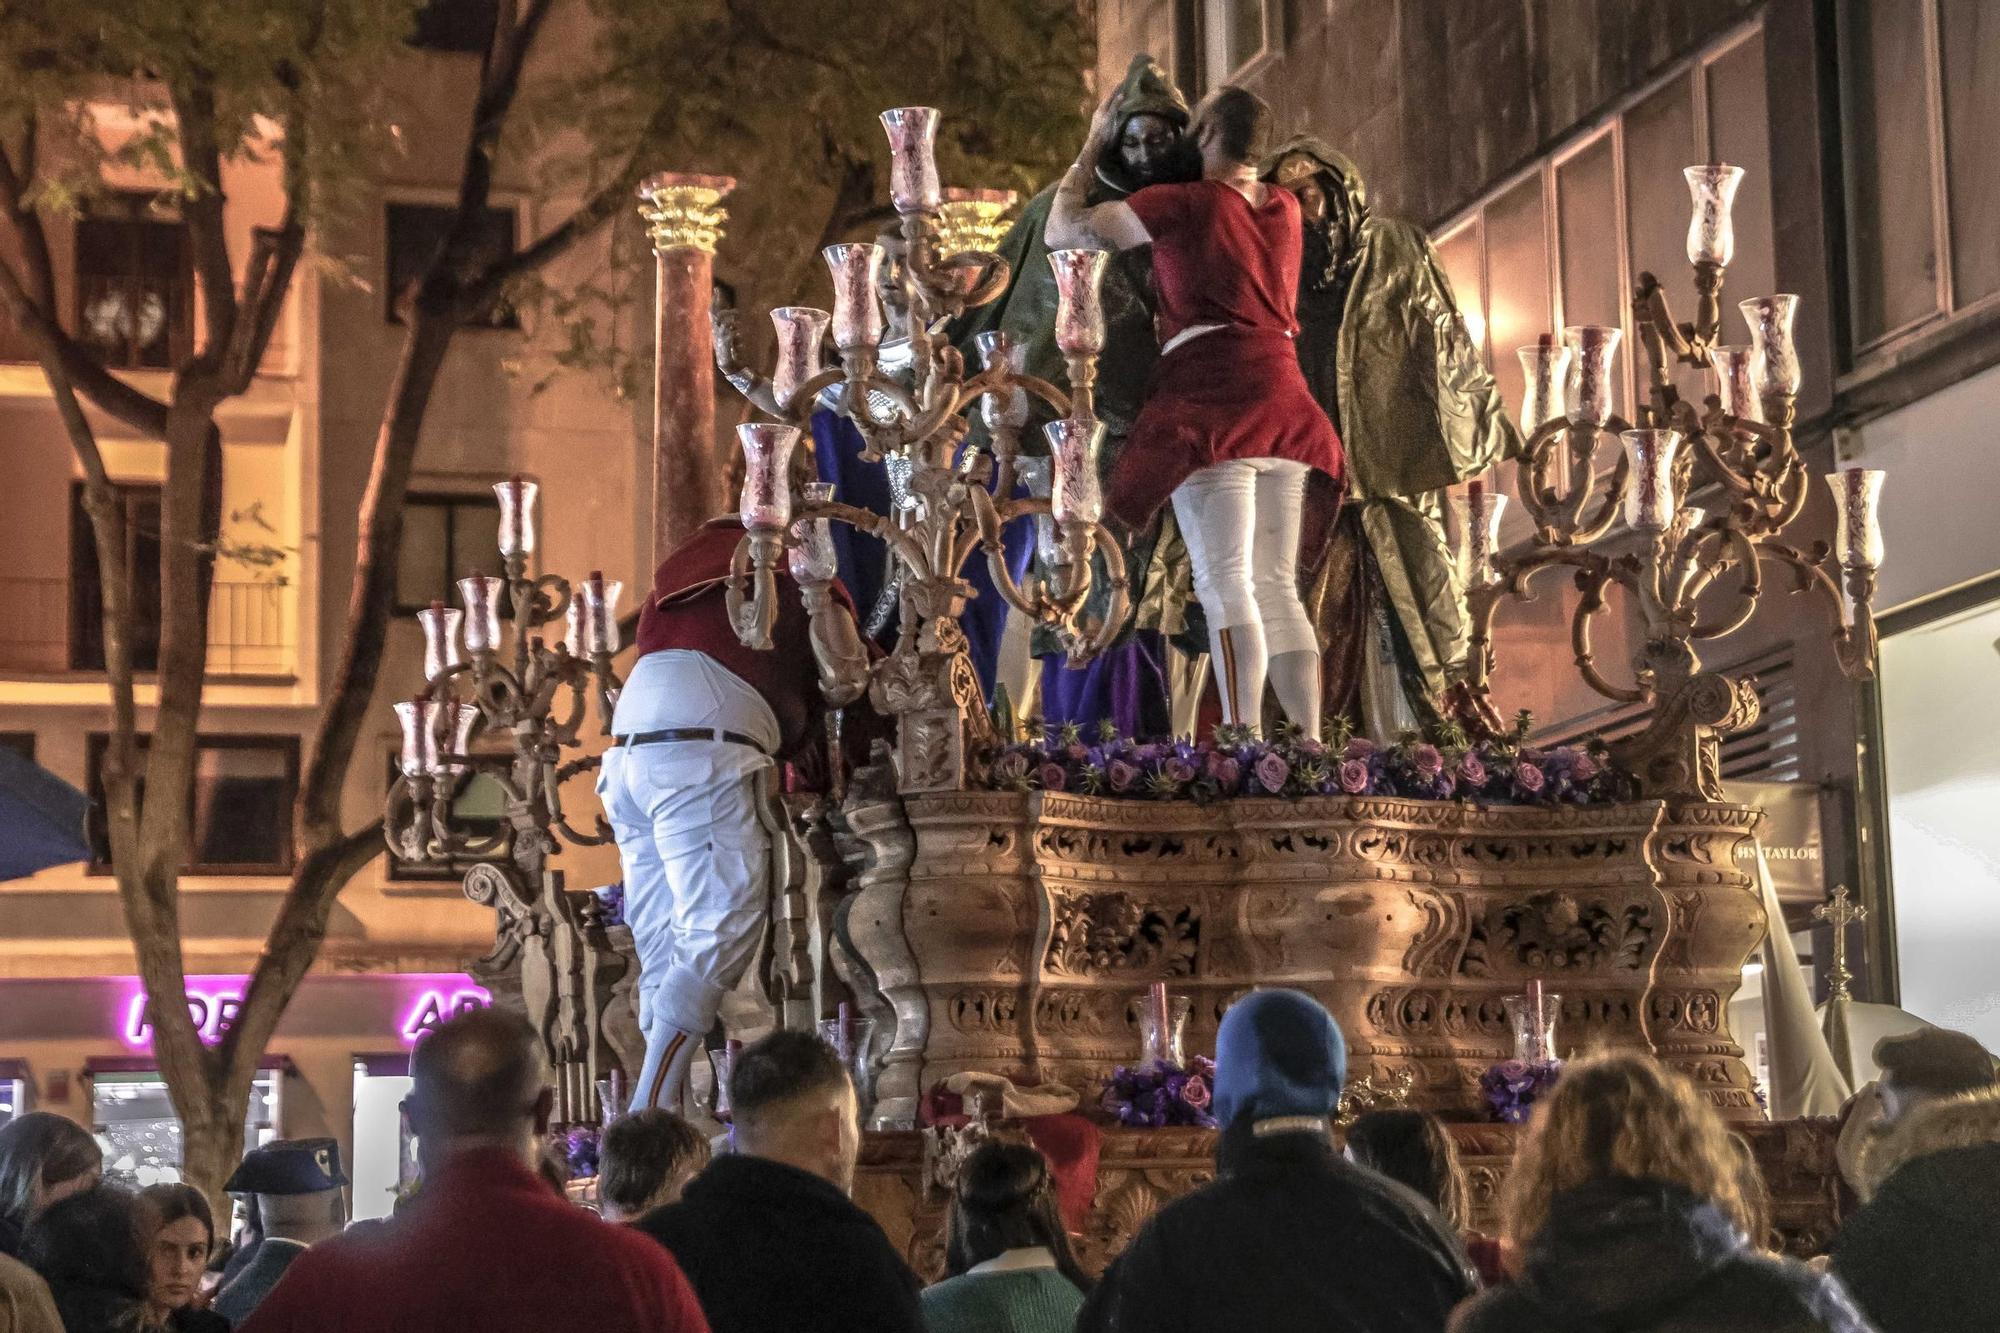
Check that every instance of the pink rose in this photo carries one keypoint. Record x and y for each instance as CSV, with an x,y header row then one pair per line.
x,y
1121,775
1224,769
1427,760
1272,770
1472,770
1528,777
1078,750
1583,768
1011,768
1053,777
1312,746
1358,748
1178,770
1353,776
1195,1092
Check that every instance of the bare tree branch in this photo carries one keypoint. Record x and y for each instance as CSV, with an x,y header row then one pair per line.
x,y
201,157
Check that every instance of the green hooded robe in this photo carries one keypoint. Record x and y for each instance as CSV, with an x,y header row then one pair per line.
x,y
1386,352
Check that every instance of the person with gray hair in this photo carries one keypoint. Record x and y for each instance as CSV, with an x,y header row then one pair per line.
x,y
768,1234
484,1244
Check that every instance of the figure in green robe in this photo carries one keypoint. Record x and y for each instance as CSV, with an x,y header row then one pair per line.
x,y
1151,148
1387,354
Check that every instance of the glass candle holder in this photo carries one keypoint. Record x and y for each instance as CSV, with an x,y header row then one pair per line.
x,y
440,625
1857,531
573,631
853,1038
1587,388
721,1063
1478,514
1163,1023
418,719
812,558
517,515
801,334
481,594
464,717
1079,312
1533,1019
1775,366
1544,377
1075,492
1007,410
1711,234
1036,476
1735,384
766,500
1650,502
598,597
857,303
913,174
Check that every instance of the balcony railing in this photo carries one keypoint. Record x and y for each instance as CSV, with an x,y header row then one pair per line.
x,y
49,626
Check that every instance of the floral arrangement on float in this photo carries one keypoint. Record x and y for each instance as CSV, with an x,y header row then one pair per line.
x,y
1165,1088
1445,766
1512,1087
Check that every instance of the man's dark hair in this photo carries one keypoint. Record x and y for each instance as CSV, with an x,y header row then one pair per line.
x,y
90,1240
781,1068
40,1150
478,1074
642,1152
1935,1061
1242,122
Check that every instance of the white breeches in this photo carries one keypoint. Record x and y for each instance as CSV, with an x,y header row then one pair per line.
x,y
1240,520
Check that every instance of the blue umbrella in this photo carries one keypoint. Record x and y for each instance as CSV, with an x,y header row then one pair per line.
x,y
41,818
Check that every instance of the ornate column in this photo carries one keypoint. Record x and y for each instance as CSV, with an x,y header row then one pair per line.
x,y
684,216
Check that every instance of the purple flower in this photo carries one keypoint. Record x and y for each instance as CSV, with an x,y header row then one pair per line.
x,y
1223,769
1471,770
1178,770
1583,768
1054,777
1354,776
1512,1087
1272,770
1077,750
1427,760
1359,748
1121,774
1312,747
1528,777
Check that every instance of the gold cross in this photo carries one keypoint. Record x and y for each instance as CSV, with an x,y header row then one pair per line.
x,y
1840,914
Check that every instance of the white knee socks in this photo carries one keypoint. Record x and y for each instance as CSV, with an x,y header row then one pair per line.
x,y
1241,661
1295,677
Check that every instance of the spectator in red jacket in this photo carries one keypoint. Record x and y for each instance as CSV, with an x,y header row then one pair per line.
x,y
484,1245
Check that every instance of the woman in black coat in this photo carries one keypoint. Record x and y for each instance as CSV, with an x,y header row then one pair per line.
x,y
1628,1209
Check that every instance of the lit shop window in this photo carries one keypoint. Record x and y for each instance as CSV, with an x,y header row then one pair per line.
x,y
134,1119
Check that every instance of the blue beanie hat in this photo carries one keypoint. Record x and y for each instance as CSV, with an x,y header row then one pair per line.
x,y
1278,1053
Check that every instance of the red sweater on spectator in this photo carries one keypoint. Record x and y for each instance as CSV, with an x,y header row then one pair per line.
x,y
485,1245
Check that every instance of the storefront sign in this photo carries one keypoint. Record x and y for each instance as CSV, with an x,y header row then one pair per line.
x,y
433,1007
214,1002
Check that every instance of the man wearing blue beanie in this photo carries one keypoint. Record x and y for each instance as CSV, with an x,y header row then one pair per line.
x,y
1291,1235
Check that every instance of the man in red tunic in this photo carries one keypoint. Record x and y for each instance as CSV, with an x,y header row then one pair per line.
x,y
701,725
1229,431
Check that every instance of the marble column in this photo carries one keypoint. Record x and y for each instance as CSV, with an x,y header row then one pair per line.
x,y
684,216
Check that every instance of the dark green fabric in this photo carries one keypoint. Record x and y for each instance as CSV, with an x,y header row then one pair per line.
x,y
1033,1300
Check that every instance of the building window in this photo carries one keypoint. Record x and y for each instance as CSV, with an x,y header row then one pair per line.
x,y
1563,242
415,233
1922,176
478,810
141,509
134,284
456,25
445,538
240,812
1233,33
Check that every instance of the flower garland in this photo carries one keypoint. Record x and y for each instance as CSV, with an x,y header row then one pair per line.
x,y
1501,770
1159,1094
579,1148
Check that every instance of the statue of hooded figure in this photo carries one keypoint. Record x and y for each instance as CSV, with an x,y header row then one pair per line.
x,y
1129,683
1387,354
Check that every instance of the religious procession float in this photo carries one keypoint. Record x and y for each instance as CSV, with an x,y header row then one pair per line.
x,y
997,915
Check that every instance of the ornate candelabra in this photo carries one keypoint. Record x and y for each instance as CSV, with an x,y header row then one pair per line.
x,y
1708,492
538,694
916,423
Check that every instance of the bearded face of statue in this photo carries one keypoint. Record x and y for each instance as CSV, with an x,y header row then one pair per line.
x,y
1153,150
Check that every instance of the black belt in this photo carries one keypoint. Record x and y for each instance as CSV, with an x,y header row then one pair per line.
x,y
673,734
